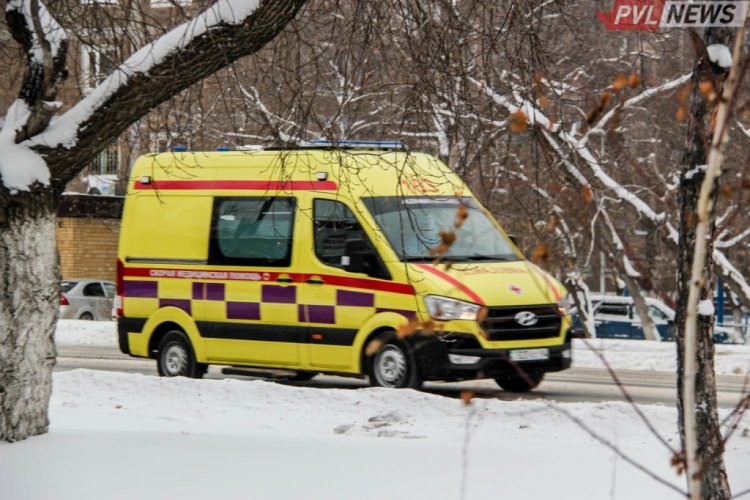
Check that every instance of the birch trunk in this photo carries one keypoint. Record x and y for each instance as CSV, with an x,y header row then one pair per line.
x,y
700,428
29,305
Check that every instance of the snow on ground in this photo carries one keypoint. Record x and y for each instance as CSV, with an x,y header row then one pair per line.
x,y
123,436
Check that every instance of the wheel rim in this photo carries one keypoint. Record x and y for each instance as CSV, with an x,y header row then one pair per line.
x,y
391,367
174,360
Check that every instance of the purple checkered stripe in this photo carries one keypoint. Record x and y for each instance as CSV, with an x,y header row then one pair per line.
x,y
270,294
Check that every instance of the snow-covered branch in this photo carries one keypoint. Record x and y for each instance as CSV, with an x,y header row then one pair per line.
x,y
223,33
632,102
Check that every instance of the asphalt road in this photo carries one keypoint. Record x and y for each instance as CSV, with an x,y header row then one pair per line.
x,y
573,385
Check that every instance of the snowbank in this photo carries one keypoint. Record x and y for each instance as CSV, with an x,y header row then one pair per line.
x,y
124,436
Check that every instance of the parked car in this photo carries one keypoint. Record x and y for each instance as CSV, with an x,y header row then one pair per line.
x,y
616,317
86,299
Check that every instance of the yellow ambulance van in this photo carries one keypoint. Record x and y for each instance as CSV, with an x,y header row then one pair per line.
x,y
347,258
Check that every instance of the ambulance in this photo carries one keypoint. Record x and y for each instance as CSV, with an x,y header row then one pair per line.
x,y
359,259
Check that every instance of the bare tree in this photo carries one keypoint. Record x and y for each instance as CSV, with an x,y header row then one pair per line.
x,y
38,156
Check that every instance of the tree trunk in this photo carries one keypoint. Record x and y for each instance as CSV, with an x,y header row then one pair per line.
x,y
29,305
713,476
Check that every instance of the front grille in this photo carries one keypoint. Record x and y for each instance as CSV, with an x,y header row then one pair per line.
x,y
501,324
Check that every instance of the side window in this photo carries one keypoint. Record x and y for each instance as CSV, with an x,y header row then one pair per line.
x,y
339,234
655,313
93,290
613,310
335,224
252,231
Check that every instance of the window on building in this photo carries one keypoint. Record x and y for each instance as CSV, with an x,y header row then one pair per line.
x,y
97,63
107,162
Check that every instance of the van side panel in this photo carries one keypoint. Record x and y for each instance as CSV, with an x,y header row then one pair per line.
x,y
168,226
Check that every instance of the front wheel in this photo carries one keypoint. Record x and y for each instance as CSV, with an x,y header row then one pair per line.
x,y
392,366
520,382
176,357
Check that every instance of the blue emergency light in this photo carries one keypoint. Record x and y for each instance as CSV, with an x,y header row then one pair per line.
x,y
358,144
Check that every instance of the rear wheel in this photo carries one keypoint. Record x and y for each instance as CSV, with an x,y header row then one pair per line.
x,y
393,366
302,376
87,316
520,383
176,357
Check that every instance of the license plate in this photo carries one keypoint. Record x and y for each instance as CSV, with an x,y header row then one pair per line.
x,y
529,354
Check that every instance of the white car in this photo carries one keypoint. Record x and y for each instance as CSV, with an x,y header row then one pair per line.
x,y
86,299
616,317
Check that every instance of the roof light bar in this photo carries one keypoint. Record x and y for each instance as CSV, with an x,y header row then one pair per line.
x,y
357,144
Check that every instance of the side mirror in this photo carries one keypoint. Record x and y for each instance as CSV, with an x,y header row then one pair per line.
x,y
513,239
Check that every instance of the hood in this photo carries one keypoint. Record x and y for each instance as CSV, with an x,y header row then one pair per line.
x,y
490,284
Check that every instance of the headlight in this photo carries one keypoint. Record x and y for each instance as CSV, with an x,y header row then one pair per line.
x,y
445,309
565,304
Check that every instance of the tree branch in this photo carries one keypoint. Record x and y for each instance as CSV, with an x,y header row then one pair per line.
x,y
218,36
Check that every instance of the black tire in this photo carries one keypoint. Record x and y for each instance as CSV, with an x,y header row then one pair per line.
x,y
392,365
518,383
87,316
302,376
176,357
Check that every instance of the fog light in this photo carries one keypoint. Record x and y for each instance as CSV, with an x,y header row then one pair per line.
x,y
460,359
566,354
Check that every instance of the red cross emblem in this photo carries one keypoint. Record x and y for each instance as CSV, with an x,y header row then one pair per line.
x,y
515,289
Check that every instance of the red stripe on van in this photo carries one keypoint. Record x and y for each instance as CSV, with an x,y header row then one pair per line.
x,y
365,284
240,185
453,281
266,277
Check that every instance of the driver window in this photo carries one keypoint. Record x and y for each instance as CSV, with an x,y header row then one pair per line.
x,y
334,225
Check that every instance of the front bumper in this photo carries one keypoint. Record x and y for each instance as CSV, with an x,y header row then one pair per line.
x,y
432,358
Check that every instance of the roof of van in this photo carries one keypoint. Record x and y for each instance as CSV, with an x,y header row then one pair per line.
x,y
359,172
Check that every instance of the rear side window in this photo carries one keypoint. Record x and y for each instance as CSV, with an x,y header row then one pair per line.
x,y
613,309
110,289
252,231
93,290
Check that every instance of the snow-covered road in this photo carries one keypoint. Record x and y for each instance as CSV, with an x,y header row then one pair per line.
x,y
124,436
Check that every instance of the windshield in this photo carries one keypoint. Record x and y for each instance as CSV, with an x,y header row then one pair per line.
x,y
411,225
66,286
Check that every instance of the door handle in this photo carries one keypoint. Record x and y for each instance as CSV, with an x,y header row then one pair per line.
x,y
315,280
284,279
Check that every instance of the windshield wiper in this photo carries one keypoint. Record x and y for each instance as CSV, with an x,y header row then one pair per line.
x,y
417,258
479,257
459,258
